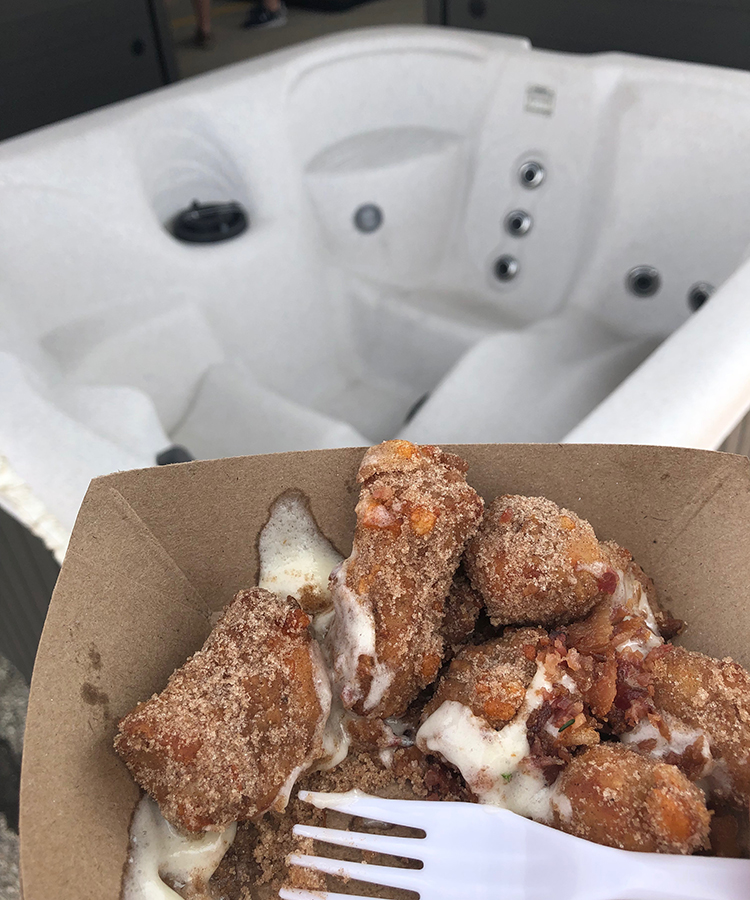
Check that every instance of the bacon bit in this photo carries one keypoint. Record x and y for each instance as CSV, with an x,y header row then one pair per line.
x,y
296,620
529,651
506,516
634,697
422,520
694,761
607,583
603,690
567,523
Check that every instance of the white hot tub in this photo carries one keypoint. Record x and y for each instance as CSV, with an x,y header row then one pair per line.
x,y
452,237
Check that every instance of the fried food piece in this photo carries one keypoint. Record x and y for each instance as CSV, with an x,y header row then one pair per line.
x,y
536,564
491,679
414,517
616,797
701,699
235,725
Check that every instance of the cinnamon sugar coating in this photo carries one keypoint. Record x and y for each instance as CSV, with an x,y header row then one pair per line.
x,y
535,563
619,798
414,516
491,678
234,725
712,697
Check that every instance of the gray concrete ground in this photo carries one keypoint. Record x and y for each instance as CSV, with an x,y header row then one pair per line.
x,y
9,889
14,694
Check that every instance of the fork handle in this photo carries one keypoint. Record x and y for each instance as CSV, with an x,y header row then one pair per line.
x,y
682,878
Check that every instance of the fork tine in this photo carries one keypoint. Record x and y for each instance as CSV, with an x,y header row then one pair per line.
x,y
297,894
413,848
354,803
408,879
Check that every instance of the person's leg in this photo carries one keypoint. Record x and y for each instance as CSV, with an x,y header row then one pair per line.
x,y
202,9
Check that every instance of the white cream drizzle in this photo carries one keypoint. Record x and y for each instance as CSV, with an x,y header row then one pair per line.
x,y
335,738
629,594
321,624
353,635
158,851
295,556
681,737
489,760
386,756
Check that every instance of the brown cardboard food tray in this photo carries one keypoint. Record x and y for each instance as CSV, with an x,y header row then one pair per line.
x,y
155,551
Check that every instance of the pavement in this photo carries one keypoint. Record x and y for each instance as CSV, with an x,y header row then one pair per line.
x,y
14,695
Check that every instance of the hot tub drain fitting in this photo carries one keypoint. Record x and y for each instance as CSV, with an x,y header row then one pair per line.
x,y
208,223
643,281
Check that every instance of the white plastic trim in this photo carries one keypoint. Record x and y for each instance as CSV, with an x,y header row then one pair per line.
x,y
693,390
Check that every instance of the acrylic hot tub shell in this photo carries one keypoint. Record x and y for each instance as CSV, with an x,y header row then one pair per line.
x,y
117,340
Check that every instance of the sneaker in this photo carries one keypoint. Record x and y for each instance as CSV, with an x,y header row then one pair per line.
x,y
260,17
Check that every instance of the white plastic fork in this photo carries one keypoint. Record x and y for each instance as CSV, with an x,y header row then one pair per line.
x,y
474,852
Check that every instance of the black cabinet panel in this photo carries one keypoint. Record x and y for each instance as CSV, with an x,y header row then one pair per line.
x,y
716,32
59,58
